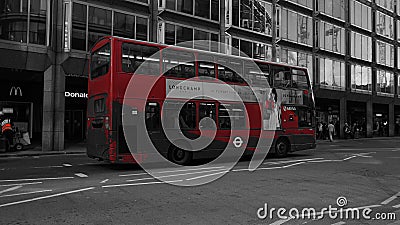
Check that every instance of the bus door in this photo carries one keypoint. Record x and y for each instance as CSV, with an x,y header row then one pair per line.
x,y
98,123
306,136
290,124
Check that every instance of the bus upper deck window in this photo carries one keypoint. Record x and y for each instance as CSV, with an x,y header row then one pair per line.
x,y
178,64
140,59
100,61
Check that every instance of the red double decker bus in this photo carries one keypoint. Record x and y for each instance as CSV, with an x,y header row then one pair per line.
x,y
287,109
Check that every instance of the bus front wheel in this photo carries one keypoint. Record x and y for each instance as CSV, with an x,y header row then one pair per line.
x,y
282,148
180,156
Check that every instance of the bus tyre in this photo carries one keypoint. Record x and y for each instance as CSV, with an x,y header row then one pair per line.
x,y
180,156
282,148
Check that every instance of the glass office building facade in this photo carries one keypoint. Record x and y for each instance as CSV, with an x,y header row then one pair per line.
x,y
351,48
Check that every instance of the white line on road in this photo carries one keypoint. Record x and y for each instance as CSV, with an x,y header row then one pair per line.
x,y
104,181
45,197
174,175
280,222
67,165
34,179
81,175
21,184
10,189
272,168
387,201
25,193
290,161
208,175
396,206
170,171
138,184
339,223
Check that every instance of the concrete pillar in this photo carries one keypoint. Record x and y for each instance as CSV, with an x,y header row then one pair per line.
x,y
53,109
59,109
370,116
391,120
342,116
48,110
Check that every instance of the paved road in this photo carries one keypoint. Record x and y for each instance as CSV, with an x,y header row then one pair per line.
x,y
72,189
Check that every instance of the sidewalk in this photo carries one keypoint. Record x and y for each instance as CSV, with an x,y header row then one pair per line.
x,y
358,139
36,150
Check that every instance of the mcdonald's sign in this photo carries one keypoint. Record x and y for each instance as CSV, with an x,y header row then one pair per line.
x,y
16,91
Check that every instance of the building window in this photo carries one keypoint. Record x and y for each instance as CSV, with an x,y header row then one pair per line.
x,y
175,34
387,4
254,15
384,25
124,25
361,78
79,17
100,24
361,46
296,58
332,73
251,49
385,53
306,3
360,15
385,82
332,8
331,38
296,27
208,9
14,21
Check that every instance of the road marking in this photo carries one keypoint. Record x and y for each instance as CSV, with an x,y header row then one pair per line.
x,y
271,168
26,193
81,175
21,184
351,157
280,222
208,175
326,160
387,201
171,171
33,179
45,197
45,167
290,161
10,189
174,175
67,165
138,184
339,223
396,206
104,181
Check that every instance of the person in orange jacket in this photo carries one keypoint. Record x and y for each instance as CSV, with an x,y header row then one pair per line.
x,y
7,131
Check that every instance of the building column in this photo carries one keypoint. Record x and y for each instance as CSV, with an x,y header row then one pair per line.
x,y
53,109
342,116
391,120
48,109
370,116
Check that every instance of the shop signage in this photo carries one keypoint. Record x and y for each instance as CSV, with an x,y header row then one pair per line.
x,y
8,110
75,95
15,91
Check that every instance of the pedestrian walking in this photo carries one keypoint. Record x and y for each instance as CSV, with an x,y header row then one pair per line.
x,y
331,130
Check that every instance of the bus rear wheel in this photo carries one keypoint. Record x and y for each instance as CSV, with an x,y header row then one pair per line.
x,y
180,156
282,148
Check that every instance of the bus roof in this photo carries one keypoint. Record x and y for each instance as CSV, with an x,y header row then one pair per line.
x,y
203,51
